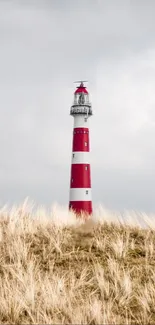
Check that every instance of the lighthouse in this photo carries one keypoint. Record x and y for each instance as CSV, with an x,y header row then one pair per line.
x,y
80,200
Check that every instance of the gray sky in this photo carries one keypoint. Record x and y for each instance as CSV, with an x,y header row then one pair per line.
x,y
45,45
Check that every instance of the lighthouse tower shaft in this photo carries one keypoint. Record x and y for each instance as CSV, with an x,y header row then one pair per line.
x,y
80,181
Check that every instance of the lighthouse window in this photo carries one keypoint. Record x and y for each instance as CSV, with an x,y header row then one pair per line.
x,y
87,192
85,119
86,167
73,155
85,144
72,180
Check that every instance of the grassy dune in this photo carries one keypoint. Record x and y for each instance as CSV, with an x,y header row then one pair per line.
x,y
57,269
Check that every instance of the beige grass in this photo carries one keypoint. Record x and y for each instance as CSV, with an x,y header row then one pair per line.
x,y
56,269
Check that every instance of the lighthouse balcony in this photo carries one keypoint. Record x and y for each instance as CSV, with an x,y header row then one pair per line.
x,y
76,109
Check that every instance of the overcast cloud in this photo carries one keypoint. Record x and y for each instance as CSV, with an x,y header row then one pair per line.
x,y
45,45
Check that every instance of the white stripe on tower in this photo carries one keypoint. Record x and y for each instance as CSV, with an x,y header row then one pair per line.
x,y
81,157
81,122
80,194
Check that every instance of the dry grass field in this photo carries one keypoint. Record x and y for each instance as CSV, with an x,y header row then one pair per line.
x,y
55,269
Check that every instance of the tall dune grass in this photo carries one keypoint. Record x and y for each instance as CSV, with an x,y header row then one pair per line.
x,y
57,269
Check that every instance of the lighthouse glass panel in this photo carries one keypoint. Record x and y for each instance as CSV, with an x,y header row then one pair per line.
x,y
75,99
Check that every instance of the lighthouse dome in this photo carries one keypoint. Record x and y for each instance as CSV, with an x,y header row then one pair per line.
x,y
81,89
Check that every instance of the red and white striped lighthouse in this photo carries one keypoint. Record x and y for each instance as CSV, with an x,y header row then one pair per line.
x,y
80,181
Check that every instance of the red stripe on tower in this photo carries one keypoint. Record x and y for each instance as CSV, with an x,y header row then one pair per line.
x,y
81,139
80,181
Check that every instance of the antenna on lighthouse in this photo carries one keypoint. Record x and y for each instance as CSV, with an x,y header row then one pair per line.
x,y
81,82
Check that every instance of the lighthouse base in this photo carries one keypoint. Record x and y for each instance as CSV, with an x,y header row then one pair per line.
x,y
80,207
